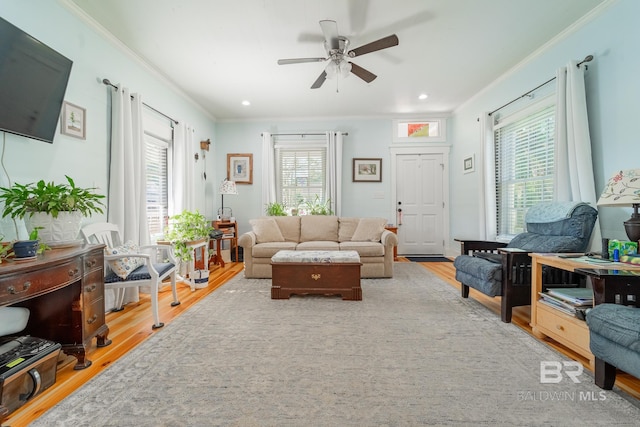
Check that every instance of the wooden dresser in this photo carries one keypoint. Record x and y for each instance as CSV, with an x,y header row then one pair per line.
x,y
64,292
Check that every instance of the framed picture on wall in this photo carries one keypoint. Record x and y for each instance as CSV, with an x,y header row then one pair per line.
x,y
468,164
367,170
73,120
240,168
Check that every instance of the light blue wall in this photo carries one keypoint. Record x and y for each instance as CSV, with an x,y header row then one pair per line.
x,y
613,89
612,85
367,138
94,58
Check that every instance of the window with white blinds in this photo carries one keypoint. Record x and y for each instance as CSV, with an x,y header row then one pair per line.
x,y
300,175
524,150
157,164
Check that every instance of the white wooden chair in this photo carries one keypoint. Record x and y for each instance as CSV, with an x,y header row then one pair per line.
x,y
128,266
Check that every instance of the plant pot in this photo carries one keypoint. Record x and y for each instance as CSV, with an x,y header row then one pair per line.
x,y
63,229
25,248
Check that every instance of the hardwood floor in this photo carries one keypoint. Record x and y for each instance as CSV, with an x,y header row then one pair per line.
x,y
131,326
127,329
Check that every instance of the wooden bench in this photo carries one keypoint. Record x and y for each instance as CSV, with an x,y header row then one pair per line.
x,y
316,273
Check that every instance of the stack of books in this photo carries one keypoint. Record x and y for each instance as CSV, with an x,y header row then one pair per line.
x,y
568,300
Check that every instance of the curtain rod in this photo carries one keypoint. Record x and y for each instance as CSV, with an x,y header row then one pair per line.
x,y
302,134
587,58
108,83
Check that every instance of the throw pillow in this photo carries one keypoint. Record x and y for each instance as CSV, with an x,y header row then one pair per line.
x,y
347,228
124,266
266,230
369,230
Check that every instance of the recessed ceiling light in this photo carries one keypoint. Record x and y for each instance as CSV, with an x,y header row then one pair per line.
x,y
423,96
246,103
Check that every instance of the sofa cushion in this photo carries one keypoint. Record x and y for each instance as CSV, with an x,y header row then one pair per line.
x,y
266,230
289,227
318,245
267,250
347,226
369,230
364,249
318,227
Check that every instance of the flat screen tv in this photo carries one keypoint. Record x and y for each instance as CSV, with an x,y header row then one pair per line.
x,y
33,80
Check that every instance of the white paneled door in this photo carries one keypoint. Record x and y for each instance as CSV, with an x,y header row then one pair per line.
x,y
420,204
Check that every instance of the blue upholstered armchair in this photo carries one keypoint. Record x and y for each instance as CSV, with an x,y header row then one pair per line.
x,y
501,269
614,325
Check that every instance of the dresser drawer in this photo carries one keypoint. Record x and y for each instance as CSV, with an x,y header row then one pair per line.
x,y
93,317
18,287
93,287
564,328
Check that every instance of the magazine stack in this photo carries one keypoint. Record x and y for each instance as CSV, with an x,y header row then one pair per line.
x,y
572,301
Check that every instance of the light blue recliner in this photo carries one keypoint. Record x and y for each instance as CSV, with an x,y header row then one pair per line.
x,y
551,227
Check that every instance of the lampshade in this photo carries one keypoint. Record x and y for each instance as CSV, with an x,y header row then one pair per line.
x,y
623,189
226,187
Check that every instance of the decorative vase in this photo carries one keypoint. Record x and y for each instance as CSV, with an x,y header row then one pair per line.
x,y
25,248
63,229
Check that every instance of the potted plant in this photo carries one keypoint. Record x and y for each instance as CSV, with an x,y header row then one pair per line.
x,y
318,207
54,209
29,248
275,209
184,230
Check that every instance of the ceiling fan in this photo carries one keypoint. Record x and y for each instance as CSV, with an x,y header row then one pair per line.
x,y
338,54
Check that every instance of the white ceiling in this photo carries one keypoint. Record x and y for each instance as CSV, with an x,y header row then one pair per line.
x,y
222,52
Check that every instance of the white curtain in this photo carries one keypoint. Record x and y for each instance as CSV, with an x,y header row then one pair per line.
x,y
334,170
268,170
574,179
127,179
488,221
183,186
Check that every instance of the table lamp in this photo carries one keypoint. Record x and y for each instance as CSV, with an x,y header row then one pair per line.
x,y
623,189
226,187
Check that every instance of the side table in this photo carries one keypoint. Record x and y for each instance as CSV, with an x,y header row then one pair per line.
x,y
230,230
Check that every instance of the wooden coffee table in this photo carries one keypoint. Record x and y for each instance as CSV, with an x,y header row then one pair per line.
x,y
316,273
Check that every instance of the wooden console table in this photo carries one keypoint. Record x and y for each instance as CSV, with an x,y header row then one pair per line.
x,y
561,327
64,292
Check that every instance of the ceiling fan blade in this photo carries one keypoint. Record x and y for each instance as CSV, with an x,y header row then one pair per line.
x,y
299,60
383,43
365,75
321,78
330,31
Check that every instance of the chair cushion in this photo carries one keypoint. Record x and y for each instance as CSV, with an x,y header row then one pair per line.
x,y
122,267
266,230
480,274
140,273
539,243
618,323
489,256
369,230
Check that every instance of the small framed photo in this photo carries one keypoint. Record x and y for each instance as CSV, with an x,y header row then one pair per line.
x,y
367,170
73,120
240,168
469,164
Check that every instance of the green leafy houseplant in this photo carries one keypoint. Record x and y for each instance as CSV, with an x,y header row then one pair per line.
x,y
21,200
275,209
56,208
318,207
185,228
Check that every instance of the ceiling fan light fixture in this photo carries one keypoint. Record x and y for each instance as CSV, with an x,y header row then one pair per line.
x,y
340,68
345,68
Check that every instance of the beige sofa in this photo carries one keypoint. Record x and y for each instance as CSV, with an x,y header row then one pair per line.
x,y
367,236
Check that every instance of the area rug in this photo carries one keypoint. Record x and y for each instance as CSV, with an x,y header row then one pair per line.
x,y
411,353
428,259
